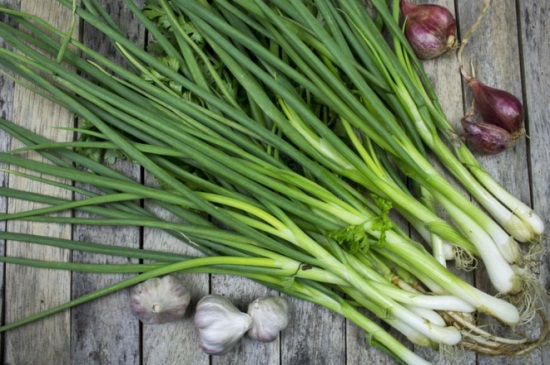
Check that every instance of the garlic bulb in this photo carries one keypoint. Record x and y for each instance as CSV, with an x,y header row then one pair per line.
x,y
270,316
160,300
221,325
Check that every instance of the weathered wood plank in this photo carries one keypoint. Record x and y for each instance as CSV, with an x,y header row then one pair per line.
x,y
174,343
104,331
315,336
30,290
535,27
6,112
495,52
358,349
178,342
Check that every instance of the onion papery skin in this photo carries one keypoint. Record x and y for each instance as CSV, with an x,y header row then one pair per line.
x,y
430,29
486,138
497,106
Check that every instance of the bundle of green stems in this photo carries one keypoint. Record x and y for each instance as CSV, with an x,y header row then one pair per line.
x,y
297,127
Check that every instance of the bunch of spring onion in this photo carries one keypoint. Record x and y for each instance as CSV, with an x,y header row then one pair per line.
x,y
329,73
290,123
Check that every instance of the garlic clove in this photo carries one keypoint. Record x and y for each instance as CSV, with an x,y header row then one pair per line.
x,y
160,300
270,316
220,324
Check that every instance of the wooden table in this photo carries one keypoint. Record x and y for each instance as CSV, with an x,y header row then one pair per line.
x,y
510,51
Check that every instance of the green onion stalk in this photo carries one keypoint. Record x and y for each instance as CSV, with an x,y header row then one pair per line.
x,y
508,284
416,329
531,227
277,269
303,289
271,260
206,152
506,245
342,215
525,225
332,206
490,240
218,144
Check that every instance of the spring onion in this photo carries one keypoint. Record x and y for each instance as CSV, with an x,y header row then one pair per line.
x,y
292,124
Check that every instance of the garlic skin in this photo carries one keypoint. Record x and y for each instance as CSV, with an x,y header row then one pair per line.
x,y
270,316
160,300
220,324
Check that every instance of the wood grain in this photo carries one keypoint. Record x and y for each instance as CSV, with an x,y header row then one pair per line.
x,y
30,290
6,112
105,331
534,30
174,343
495,53
314,336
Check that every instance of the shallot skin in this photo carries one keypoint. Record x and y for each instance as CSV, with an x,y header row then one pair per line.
x,y
497,106
430,29
486,138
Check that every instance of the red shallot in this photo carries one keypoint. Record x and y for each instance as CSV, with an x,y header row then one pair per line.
x,y
486,138
497,106
430,29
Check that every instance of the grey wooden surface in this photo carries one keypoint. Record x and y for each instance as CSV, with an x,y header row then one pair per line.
x,y
510,50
